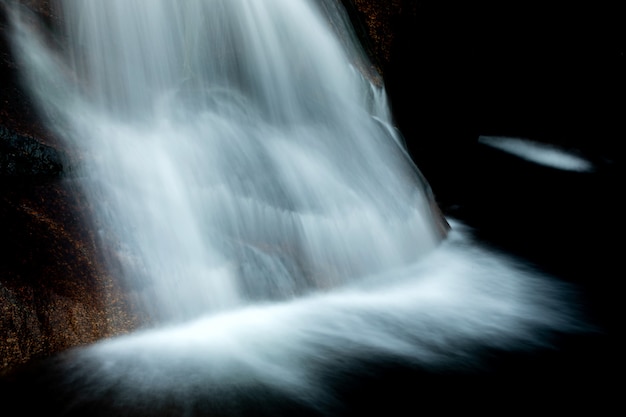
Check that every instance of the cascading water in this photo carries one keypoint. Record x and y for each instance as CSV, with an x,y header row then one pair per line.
x,y
261,201
232,155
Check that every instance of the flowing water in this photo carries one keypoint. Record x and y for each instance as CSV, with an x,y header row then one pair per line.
x,y
245,168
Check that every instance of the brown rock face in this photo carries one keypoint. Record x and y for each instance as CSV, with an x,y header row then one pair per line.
x,y
54,293
374,21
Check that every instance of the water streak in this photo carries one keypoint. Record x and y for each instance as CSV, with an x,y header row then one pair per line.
x,y
540,153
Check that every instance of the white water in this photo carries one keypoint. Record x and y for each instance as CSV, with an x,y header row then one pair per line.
x,y
231,148
539,153
257,193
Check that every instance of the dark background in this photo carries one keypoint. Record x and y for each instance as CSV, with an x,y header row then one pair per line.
x,y
549,73
532,68
520,68
536,70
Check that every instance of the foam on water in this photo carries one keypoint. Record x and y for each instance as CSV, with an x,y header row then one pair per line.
x,y
438,313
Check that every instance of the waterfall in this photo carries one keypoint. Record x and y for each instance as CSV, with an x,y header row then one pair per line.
x,y
232,155
246,171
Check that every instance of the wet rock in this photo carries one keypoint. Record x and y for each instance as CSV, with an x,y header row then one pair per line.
x,y
54,291
24,157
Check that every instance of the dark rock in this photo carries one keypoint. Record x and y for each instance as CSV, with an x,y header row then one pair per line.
x,y
54,292
25,157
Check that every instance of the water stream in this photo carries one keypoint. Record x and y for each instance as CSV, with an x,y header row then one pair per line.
x,y
247,173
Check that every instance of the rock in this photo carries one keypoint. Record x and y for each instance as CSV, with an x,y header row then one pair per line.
x,y
24,157
54,291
